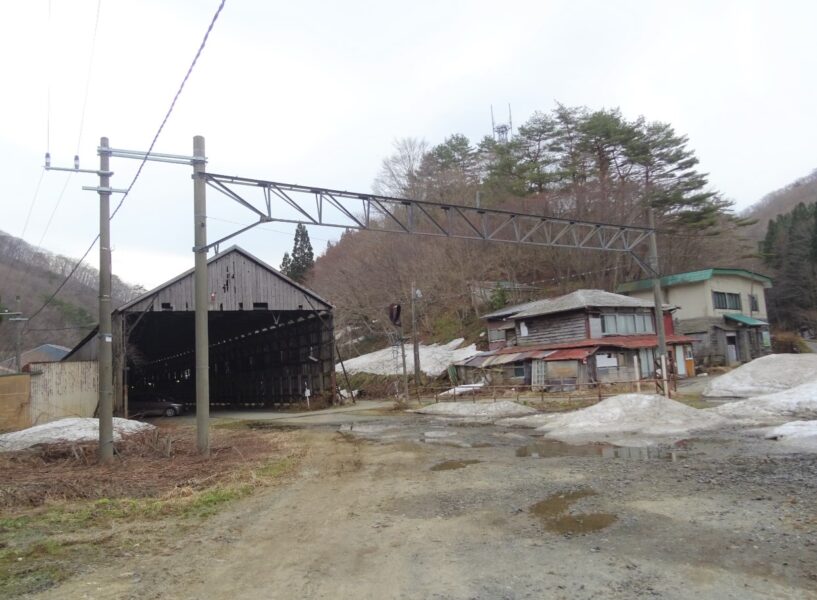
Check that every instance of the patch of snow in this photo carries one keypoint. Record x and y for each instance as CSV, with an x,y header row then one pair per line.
x,y
494,410
434,359
801,435
463,389
627,419
765,375
800,401
67,430
530,421
439,434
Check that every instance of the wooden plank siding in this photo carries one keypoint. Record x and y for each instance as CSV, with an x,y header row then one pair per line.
x,y
235,282
15,402
552,329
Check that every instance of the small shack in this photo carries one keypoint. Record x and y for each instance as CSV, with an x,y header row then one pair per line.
x,y
270,338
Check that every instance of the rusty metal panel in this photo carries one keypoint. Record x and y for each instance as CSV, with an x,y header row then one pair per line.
x,y
14,402
63,389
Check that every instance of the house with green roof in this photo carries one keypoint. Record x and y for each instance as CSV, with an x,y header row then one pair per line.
x,y
723,309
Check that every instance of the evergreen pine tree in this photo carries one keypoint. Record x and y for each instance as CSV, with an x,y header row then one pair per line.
x,y
297,266
286,264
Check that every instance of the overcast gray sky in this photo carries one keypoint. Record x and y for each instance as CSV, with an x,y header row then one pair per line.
x,y
316,93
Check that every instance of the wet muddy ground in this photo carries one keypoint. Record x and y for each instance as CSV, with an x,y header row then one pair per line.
x,y
418,507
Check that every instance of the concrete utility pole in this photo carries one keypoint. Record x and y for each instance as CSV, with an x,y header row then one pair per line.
x,y
105,335
201,299
658,297
18,346
414,339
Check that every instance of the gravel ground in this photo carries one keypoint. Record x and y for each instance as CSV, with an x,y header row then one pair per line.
x,y
416,507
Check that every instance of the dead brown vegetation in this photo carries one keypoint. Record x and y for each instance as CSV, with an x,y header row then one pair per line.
x,y
147,465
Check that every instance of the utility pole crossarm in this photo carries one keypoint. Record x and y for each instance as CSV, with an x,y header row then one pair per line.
x,y
273,201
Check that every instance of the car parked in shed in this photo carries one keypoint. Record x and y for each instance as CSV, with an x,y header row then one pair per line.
x,y
150,404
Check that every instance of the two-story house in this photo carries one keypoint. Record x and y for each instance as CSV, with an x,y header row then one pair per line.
x,y
724,310
583,337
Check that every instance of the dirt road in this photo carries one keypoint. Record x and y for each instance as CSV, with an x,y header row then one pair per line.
x,y
390,518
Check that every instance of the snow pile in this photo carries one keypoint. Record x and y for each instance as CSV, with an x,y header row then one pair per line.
x,y
765,375
494,410
799,434
800,401
469,388
67,430
434,359
626,418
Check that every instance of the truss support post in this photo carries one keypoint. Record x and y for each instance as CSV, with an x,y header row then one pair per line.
x,y
656,285
202,301
105,334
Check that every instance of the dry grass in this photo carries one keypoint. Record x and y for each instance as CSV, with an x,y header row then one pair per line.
x,y
58,505
146,465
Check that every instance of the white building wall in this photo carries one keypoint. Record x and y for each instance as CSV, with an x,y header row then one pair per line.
x,y
63,389
695,299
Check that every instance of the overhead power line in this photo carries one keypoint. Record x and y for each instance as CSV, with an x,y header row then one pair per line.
x,y
88,78
141,164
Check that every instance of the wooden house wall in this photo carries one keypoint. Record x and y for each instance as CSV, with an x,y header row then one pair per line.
x,y
552,329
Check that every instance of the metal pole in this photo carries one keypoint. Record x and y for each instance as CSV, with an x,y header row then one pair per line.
x,y
656,286
105,335
414,339
19,340
405,372
201,300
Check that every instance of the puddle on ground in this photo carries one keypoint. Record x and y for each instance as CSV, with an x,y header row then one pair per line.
x,y
552,448
553,512
641,453
270,425
450,465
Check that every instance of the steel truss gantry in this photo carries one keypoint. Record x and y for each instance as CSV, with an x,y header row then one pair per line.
x,y
325,207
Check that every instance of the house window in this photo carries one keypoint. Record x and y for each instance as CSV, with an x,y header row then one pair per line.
x,y
167,306
753,305
519,369
260,306
496,335
626,324
523,329
733,301
719,300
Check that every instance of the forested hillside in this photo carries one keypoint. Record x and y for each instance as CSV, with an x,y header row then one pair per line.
x,y
568,162
780,202
33,274
790,255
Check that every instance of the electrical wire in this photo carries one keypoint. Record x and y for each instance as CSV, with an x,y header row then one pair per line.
x,y
33,202
48,86
88,78
141,164
172,106
54,210
262,228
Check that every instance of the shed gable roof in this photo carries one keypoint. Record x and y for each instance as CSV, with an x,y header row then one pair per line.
x,y
321,303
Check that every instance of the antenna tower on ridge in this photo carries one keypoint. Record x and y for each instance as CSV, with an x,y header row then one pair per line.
x,y
502,132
